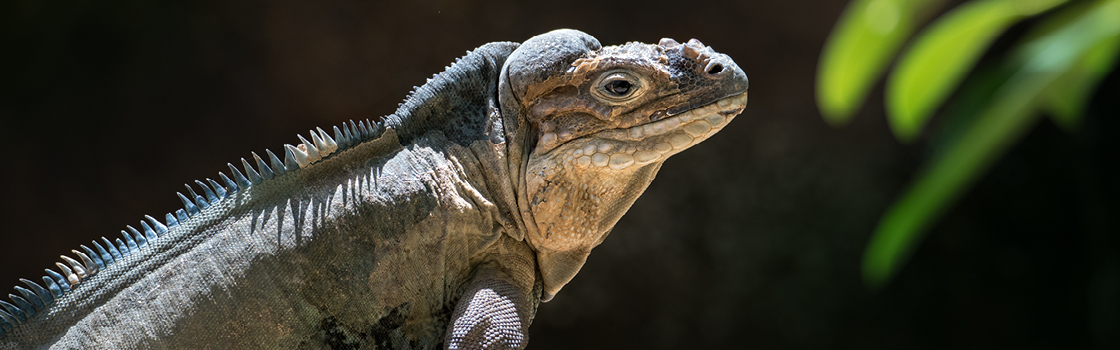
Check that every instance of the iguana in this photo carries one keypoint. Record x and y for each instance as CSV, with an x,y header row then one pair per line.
x,y
442,226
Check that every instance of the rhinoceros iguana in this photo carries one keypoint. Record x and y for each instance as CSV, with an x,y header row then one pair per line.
x,y
442,226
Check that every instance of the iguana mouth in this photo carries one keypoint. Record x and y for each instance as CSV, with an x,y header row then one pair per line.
x,y
655,141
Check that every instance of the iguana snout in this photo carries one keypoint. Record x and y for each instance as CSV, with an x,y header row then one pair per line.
x,y
605,118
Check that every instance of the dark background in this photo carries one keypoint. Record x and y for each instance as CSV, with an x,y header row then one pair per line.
x,y
749,240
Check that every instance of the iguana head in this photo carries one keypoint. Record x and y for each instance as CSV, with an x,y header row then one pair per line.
x,y
596,123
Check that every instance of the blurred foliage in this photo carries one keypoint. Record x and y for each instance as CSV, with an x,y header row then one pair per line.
x,y
865,39
1052,69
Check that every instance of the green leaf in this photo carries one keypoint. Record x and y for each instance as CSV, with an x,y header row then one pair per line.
x,y
865,38
1066,98
934,66
1011,112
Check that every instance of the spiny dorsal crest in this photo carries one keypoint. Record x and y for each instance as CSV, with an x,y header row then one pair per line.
x,y
36,298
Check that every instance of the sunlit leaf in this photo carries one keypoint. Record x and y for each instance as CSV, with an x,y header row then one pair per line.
x,y
1066,98
857,52
933,67
1011,112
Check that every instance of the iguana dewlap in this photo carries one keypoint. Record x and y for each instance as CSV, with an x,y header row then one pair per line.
x,y
442,226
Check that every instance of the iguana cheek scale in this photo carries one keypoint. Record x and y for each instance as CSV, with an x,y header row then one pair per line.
x,y
443,226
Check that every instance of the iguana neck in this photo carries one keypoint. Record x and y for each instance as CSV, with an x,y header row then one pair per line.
x,y
452,101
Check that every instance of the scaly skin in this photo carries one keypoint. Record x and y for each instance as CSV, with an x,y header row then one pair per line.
x,y
598,149
443,227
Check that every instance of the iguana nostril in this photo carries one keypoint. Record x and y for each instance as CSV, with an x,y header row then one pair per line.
x,y
714,68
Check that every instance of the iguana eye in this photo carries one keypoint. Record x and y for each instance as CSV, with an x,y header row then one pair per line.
x,y
617,87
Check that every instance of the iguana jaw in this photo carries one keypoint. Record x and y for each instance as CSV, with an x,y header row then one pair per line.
x,y
580,189
652,142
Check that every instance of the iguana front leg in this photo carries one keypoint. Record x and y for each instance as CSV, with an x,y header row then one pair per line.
x,y
493,314
498,303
